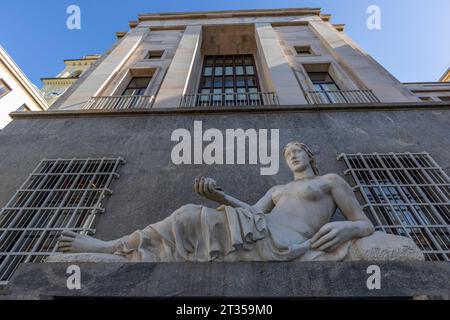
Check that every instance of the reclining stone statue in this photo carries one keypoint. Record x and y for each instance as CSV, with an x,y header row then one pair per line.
x,y
290,222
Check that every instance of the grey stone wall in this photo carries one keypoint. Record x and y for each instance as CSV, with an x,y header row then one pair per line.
x,y
151,186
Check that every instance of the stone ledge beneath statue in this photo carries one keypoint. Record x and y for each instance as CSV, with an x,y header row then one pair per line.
x,y
237,279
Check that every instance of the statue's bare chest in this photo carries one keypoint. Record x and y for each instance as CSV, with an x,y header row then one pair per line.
x,y
306,190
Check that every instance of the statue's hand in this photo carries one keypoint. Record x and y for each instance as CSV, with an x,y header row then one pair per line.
x,y
208,188
332,235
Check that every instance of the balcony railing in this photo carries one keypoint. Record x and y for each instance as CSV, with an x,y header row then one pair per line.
x,y
229,99
336,97
120,102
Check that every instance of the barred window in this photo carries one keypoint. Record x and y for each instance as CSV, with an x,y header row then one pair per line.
x,y
60,194
406,194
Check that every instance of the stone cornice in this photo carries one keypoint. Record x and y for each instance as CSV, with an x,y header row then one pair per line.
x,y
229,14
376,107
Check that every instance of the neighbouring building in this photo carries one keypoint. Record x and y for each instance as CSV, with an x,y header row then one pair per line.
x,y
432,91
99,160
74,69
446,76
16,91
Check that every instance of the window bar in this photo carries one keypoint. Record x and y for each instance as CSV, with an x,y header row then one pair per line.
x,y
38,218
444,197
411,205
10,202
47,203
58,210
437,214
96,208
412,190
361,190
436,166
19,243
83,198
378,185
399,189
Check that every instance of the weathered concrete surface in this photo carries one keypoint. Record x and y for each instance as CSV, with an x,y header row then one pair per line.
x,y
258,280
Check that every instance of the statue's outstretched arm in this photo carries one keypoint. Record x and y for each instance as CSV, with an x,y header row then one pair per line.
x,y
208,188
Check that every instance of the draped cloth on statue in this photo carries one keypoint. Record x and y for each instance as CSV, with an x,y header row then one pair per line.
x,y
200,234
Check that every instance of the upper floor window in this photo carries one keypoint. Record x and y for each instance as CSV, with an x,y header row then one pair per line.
x,y
406,194
322,81
4,88
323,88
137,86
303,50
154,55
229,80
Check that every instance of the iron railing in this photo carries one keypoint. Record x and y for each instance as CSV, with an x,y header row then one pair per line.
x,y
120,102
229,99
340,96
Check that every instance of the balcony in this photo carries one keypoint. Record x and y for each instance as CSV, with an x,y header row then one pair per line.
x,y
119,102
341,96
229,99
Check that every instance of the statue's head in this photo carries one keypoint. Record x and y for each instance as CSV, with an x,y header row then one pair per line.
x,y
299,157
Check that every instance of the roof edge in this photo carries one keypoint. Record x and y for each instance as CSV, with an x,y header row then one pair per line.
x,y
228,13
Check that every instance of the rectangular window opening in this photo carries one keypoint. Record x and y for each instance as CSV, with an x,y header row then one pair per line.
x,y
154,54
303,50
137,86
60,194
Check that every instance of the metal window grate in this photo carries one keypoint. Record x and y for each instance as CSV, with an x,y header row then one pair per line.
x,y
60,194
406,194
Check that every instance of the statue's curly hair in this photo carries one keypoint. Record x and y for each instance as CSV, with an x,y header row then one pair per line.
x,y
312,159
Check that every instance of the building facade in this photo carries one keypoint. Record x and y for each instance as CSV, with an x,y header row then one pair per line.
x,y
16,91
74,68
101,158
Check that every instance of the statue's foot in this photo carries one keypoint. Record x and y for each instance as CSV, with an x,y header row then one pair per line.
x,y
71,242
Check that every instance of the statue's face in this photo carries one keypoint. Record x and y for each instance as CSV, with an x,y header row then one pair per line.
x,y
297,159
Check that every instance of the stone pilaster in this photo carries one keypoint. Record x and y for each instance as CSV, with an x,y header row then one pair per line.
x,y
95,83
280,75
177,79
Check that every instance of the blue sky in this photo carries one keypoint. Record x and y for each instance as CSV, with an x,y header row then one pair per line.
x,y
413,44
